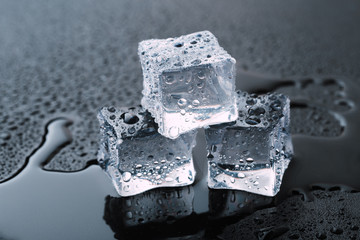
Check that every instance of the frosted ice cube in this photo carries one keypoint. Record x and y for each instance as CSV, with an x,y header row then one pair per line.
x,y
253,152
189,82
136,157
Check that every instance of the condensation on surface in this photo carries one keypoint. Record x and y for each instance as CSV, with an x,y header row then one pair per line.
x,y
318,105
332,214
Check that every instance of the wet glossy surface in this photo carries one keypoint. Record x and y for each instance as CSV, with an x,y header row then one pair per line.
x,y
65,60
76,201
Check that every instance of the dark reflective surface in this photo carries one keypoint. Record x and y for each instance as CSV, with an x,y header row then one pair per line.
x,y
157,214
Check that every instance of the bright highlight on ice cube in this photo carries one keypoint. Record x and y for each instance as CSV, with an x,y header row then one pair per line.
x,y
189,83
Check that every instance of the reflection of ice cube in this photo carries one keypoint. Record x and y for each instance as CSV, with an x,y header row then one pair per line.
x,y
253,152
228,203
155,206
156,214
137,158
189,82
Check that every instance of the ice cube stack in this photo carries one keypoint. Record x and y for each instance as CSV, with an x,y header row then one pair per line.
x,y
189,83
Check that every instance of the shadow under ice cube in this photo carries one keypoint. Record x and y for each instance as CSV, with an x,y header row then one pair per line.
x,y
137,158
189,82
252,153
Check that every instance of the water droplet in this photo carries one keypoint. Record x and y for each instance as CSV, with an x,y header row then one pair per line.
x,y
190,89
169,79
128,202
169,179
174,132
213,148
182,112
182,102
196,62
201,74
246,152
5,135
111,109
276,105
131,130
126,188
256,111
138,166
241,175
129,118
252,120
178,45
251,101
200,84
129,215
195,102
249,159
126,176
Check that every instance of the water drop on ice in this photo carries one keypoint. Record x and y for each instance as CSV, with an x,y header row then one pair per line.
x,y
126,176
182,102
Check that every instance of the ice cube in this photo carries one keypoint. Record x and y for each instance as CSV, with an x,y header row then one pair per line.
x,y
136,157
252,153
189,82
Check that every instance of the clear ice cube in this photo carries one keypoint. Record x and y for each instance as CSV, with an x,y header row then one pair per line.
x,y
136,157
189,82
252,153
